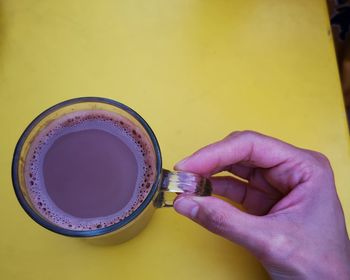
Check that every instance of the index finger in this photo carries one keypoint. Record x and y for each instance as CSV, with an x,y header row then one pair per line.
x,y
250,147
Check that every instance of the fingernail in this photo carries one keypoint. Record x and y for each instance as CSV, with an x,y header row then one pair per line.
x,y
186,207
182,162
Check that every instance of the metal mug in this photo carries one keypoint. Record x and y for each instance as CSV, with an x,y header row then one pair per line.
x,y
162,194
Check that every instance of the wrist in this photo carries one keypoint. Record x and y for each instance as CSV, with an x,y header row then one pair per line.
x,y
331,265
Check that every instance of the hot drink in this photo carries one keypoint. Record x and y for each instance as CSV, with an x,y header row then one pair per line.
x,y
89,169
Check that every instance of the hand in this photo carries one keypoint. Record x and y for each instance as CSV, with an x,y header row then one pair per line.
x,y
293,222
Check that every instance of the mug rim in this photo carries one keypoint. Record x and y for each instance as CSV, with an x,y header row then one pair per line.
x,y
94,232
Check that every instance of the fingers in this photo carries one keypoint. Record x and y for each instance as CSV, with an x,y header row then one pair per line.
x,y
241,170
229,187
257,197
220,217
250,147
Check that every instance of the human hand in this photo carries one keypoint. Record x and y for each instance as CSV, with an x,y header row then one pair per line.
x,y
293,222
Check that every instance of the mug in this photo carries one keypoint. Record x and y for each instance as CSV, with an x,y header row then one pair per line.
x,y
167,184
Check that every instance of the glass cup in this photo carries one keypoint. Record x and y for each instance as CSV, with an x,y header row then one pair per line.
x,y
167,184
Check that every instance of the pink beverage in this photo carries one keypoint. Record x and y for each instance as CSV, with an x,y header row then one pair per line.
x,y
89,170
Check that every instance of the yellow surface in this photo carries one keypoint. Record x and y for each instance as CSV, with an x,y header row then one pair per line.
x,y
195,70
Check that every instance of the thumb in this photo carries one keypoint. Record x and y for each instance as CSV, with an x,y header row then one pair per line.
x,y
221,218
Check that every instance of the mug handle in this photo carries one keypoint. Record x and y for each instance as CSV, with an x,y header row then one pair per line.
x,y
176,182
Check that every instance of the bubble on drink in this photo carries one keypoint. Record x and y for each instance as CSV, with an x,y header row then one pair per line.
x,y
89,169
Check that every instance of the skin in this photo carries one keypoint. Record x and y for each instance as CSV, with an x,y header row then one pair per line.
x,y
293,221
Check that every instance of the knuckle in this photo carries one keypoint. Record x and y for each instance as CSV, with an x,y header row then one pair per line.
x,y
233,134
245,132
300,173
313,167
320,160
249,133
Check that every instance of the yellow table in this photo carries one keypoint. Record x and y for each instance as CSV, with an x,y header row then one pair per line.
x,y
195,70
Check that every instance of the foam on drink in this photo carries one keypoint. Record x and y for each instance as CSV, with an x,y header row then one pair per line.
x,y
89,170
